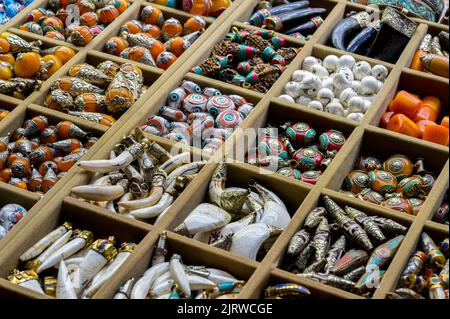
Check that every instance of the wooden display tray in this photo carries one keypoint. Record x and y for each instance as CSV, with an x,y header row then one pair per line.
x,y
57,205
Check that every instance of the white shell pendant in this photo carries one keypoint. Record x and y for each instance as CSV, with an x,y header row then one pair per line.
x,y
64,287
275,215
247,241
205,217
179,275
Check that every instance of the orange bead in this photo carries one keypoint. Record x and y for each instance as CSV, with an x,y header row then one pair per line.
x,y
422,124
199,7
6,174
405,103
436,64
416,64
156,49
55,35
64,53
18,183
434,103
402,124
88,19
21,167
436,134
37,14
386,118
132,27
219,6
153,30
4,46
81,35
444,121
107,120
152,15
121,5
6,72
44,167
116,45
177,45
425,113
107,14
12,157
54,63
171,28
8,58
85,6
27,64
194,24
89,102
165,60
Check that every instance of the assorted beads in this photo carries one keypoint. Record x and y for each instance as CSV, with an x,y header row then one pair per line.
x,y
10,8
38,154
337,85
396,183
296,19
70,263
99,94
203,118
24,65
344,248
426,273
297,151
10,215
154,40
250,59
56,20
433,55
206,8
410,115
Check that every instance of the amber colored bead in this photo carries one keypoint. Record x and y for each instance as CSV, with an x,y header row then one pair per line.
x,y
84,37
200,7
17,182
6,174
152,15
177,46
410,186
121,5
107,14
36,14
8,58
44,167
356,181
4,46
64,53
55,62
21,167
157,47
88,19
405,103
399,165
55,35
107,120
165,60
171,28
49,135
194,24
12,157
382,182
153,30
399,204
416,204
115,45
27,64
23,146
6,72
402,124
371,196
132,27
49,180
425,113
41,154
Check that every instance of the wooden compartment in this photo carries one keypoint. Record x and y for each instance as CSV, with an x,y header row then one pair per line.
x,y
191,253
422,85
84,218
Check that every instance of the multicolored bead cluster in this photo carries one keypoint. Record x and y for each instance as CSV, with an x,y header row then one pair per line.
x,y
37,155
203,118
24,65
426,273
99,94
297,151
10,8
396,183
58,22
250,59
344,248
10,215
154,40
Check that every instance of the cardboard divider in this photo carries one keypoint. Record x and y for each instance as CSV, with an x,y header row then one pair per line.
x,y
101,224
278,256
414,83
191,254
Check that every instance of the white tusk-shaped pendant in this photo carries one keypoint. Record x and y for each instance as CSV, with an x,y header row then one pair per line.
x,y
118,163
247,241
101,193
163,278
153,211
155,195
103,276
179,275
229,229
160,216
45,242
35,263
205,217
170,165
142,286
217,184
275,215
188,169
102,251
64,288
27,279
125,291
80,241
125,198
